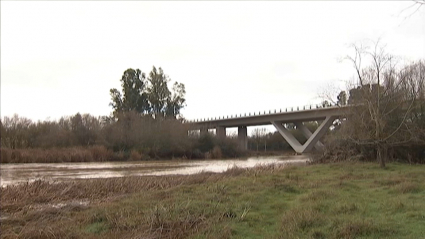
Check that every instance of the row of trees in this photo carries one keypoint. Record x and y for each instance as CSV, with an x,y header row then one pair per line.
x,y
133,131
387,120
130,132
78,130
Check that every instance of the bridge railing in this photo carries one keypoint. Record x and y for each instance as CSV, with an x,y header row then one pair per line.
x,y
258,113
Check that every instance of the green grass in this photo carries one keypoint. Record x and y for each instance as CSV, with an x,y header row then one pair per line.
x,y
343,200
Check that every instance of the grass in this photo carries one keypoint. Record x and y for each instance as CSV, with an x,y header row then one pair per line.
x,y
341,200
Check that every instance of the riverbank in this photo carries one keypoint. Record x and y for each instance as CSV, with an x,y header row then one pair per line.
x,y
342,200
101,154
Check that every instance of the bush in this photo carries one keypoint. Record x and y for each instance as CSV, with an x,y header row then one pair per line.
x,y
216,153
135,156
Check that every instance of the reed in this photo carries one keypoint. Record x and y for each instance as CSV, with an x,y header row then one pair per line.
x,y
58,155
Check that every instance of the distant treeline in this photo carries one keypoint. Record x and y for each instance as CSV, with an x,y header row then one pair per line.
x,y
129,136
145,124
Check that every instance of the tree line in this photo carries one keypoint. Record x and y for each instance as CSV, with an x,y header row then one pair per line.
x,y
133,133
146,123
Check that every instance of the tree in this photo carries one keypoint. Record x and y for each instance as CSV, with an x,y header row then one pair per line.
x,y
383,102
158,92
134,96
258,135
149,96
85,128
417,4
177,101
15,132
342,98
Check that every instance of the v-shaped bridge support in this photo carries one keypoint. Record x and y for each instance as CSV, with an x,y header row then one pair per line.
x,y
307,134
312,138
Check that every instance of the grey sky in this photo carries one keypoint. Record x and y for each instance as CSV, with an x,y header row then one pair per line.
x,y
59,58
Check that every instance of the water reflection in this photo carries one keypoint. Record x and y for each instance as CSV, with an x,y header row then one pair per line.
x,y
16,173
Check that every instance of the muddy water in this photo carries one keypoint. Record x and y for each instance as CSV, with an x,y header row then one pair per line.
x,y
17,173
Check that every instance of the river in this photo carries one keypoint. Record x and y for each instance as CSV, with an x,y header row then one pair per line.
x,y
18,173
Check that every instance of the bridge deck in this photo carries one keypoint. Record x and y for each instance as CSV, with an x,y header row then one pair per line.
x,y
266,119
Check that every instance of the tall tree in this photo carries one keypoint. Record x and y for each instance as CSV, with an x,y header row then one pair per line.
x,y
134,97
176,101
148,96
158,92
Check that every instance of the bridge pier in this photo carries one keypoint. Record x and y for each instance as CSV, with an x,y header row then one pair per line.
x,y
307,134
312,138
203,131
243,137
220,132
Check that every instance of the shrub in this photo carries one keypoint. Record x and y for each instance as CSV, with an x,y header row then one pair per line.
x,y
135,156
216,152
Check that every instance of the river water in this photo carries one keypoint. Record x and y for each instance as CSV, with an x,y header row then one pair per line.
x,y
17,173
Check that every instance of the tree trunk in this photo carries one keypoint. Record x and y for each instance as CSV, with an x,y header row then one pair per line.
x,y
380,155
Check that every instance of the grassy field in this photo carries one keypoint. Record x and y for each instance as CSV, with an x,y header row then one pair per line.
x,y
342,200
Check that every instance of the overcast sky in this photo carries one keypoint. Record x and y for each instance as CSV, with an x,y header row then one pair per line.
x,y
59,58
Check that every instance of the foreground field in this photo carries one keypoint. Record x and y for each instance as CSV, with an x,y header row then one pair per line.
x,y
344,200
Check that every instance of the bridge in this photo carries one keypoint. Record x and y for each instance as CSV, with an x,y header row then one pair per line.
x,y
326,115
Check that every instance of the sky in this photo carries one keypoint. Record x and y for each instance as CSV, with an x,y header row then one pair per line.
x,y
59,58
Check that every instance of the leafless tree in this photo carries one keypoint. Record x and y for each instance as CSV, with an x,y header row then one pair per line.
x,y
383,102
258,135
414,7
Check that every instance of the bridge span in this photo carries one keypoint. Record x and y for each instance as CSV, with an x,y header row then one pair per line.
x,y
326,115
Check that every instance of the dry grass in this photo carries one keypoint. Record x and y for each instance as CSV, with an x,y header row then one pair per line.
x,y
135,156
32,204
300,222
58,155
42,191
262,202
407,187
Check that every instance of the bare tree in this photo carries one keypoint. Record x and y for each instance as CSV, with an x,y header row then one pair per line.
x,y
414,7
383,101
15,131
258,135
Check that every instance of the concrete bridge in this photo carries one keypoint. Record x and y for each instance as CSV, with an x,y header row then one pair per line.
x,y
326,115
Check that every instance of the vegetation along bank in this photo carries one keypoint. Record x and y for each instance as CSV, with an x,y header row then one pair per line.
x,y
338,200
